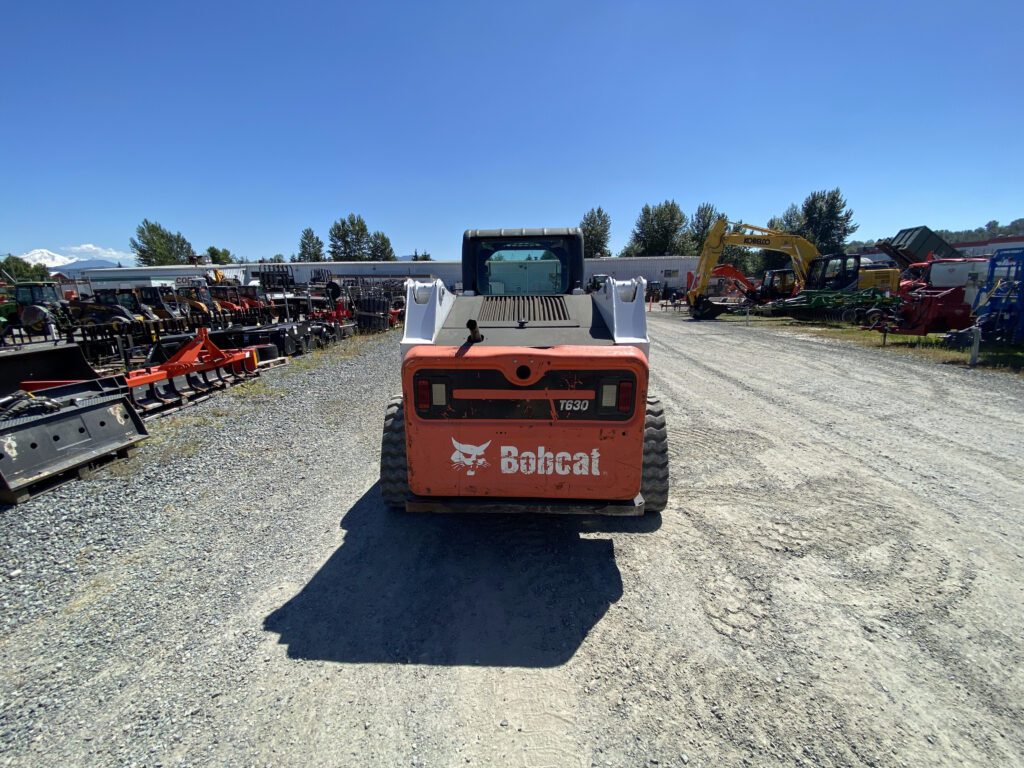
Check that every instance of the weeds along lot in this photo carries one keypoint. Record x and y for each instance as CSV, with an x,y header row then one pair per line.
x,y
836,581
999,357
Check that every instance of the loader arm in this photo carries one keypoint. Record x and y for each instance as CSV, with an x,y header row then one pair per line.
x,y
800,251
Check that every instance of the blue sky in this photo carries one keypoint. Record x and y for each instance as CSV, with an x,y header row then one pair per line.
x,y
241,123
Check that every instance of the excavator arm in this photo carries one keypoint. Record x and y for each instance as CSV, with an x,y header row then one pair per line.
x,y
730,272
800,251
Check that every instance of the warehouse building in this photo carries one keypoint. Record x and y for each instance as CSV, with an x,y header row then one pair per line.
x,y
670,271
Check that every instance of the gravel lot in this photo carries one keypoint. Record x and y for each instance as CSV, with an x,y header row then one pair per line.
x,y
837,581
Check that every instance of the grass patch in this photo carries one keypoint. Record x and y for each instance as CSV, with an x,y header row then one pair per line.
x,y
991,356
258,387
350,347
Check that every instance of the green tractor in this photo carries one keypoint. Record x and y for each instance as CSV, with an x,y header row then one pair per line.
x,y
34,306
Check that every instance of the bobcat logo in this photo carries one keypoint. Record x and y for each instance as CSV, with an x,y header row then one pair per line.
x,y
469,457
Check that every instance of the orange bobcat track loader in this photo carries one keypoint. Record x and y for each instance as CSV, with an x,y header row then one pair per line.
x,y
525,393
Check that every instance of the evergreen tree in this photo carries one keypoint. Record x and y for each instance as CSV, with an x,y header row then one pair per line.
x,y
219,255
311,247
350,239
792,221
700,224
827,221
660,230
597,229
20,269
380,248
155,246
338,241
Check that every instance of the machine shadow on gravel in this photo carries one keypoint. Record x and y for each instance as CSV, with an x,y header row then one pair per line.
x,y
508,590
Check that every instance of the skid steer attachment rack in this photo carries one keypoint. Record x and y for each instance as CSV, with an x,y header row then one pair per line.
x,y
195,370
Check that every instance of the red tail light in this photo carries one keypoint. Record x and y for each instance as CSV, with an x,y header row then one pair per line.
x,y
422,395
625,400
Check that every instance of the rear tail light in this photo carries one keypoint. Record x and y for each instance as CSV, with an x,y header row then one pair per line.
x,y
430,393
625,401
422,395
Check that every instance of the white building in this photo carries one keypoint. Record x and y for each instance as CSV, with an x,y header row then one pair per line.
x,y
670,271
125,277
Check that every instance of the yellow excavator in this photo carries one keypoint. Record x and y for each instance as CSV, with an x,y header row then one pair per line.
x,y
800,251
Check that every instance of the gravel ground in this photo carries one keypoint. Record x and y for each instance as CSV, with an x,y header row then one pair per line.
x,y
836,581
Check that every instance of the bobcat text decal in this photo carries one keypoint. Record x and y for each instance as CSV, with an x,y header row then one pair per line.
x,y
545,462
539,462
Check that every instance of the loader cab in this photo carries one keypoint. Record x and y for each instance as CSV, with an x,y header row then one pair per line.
x,y
522,262
43,294
777,284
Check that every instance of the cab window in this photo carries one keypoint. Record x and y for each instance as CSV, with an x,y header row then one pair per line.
x,y
522,268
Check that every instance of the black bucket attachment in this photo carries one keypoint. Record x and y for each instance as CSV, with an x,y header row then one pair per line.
x,y
61,363
64,434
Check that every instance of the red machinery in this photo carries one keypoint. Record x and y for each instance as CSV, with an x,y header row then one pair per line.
x,y
196,369
741,281
932,297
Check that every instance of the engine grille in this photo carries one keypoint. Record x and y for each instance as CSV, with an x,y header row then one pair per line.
x,y
532,309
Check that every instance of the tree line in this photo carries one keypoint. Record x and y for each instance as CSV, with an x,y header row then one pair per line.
x,y
664,229
19,269
990,231
155,246
349,239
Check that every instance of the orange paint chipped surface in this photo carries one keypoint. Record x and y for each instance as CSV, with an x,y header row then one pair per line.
x,y
538,458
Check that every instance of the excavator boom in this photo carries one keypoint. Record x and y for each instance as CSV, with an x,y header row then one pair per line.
x,y
800,251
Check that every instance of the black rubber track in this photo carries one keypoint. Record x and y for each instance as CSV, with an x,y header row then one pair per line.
x,y
654,485
394,466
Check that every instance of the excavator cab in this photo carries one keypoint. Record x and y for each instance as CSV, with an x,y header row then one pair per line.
x,y
845,272
525,393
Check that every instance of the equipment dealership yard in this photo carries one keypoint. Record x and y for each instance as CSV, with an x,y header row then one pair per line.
x,y
837,580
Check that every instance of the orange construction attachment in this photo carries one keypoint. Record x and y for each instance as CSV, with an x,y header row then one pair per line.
x,y
196,356
197,368
560,423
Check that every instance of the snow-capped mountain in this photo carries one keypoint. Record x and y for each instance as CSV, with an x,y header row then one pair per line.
x,y
78,265
71,265
48,259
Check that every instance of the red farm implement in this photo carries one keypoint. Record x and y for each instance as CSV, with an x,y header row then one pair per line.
x,y
193,372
